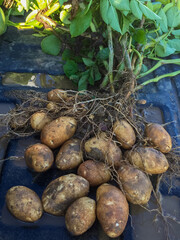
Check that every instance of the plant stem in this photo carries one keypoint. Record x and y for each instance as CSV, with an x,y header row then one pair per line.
x,y
156,79
111,58
157,65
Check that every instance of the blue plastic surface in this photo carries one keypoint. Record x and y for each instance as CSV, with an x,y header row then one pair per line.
x,y
164,97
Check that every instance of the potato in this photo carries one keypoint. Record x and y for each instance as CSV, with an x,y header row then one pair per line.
x,y
70,155
95,173
51,106
124,133
136,184
148,159
63,191
159,137
24,204
55,133
39,157
80,216
39,120
57,95
105,150
112,209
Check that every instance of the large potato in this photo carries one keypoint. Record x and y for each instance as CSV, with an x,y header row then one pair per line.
x,y
39,157
80,216
24,204
136,184
57,95
112,210
124,133
105,150
148,159
95,173
70,155
39,120
159,137
61,192
58,131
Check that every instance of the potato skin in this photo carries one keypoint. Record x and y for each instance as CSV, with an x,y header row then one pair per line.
x,y
159,137
58,131
136,184
24,204
102,149
70,155
148,159
57,95
39,120
80,216
61,192
95,173
39,157
112,209
124,133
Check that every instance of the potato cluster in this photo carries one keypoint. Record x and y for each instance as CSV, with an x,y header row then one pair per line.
x,y
96,161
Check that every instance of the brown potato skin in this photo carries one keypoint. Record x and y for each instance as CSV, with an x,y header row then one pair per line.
x,y
39,157
70,155
58,131
95,173
159,137
112,209
24,204
102,149
124,133
39,120
80,216
61,192
148,159
57,95
136,184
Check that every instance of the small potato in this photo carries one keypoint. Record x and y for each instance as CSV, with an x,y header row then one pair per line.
x,y
148,159
124,133
80,216
57,95
55,133
63,191
39,120
112,209
70,155
136,184
39,157
159,137
24,204
104,150
51,106
95,173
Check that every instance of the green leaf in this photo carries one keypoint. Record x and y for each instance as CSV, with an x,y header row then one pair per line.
x,y
32,15
91,77
80,23
122,5
70,68
62,2
163,49
82,84
104,7
103,54
156,6
97,74
148,13
168,6
3,25
88,62
176,32
174,43
67,55
64,15
51,45
173,17
113,19
135,9
140,36
126,24
163,21
41,4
